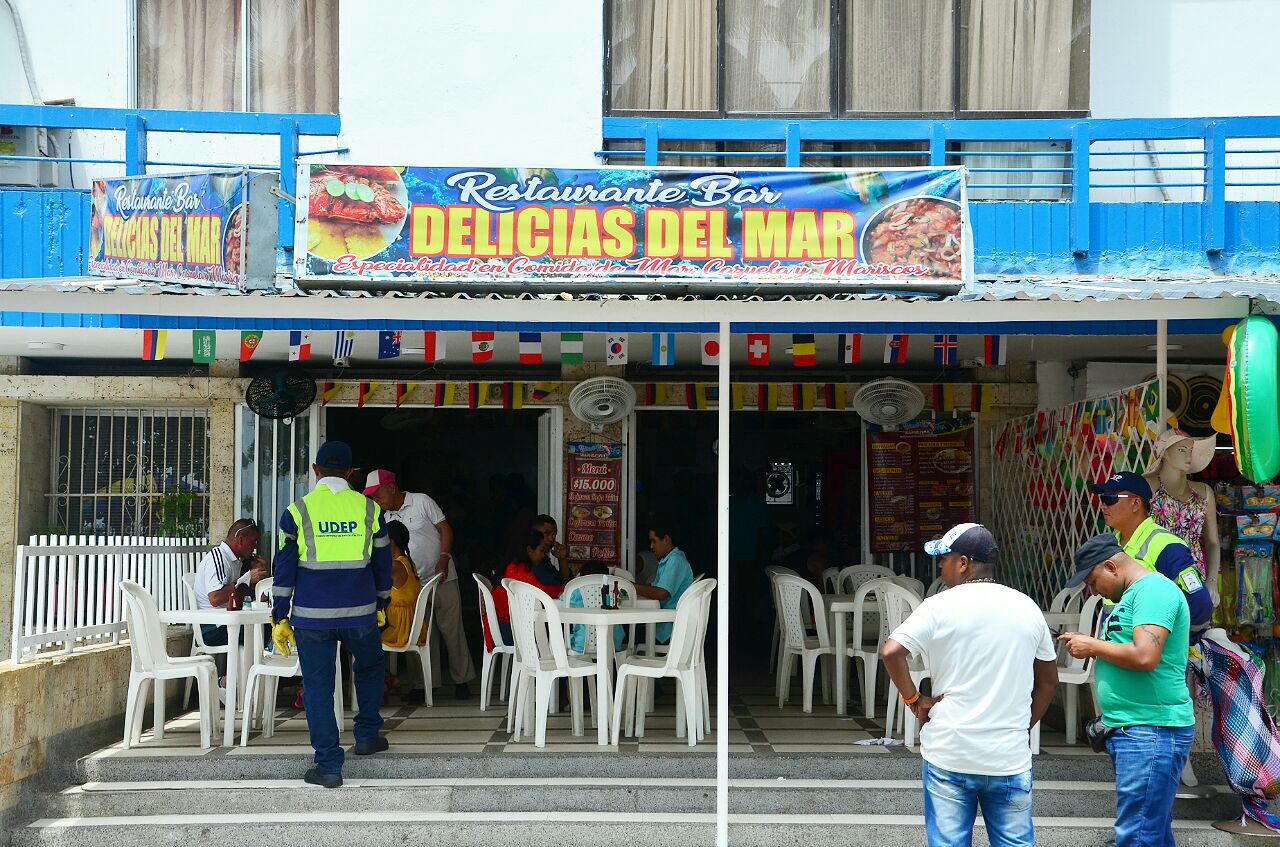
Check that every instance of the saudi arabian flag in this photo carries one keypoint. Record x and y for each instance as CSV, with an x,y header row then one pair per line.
x,y
203,346
571,348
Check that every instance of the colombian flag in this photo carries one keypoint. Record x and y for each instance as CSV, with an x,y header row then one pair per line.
x,y
366,389
542,390
444,394
513,395
153,341
980,398
403,390
327,392
767,397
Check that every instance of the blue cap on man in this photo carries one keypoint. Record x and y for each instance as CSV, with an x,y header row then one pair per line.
x,y
334,456
1124,482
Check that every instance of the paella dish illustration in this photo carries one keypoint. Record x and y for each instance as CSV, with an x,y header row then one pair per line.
x,y
924,231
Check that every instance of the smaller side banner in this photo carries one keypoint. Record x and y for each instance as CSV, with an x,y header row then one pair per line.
x,y
593,524
171,227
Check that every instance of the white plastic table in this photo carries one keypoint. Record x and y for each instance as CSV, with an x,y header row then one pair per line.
x,y
602,620
839,605
234,622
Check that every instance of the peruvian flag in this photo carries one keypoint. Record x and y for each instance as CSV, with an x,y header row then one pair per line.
x,y
481,346
711,348
758,348
433,346
895,349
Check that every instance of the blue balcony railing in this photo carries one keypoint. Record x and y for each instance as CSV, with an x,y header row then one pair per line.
x,y
1133,195
26,247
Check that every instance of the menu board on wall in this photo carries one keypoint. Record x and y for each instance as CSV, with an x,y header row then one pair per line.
x,y
593,526
921,482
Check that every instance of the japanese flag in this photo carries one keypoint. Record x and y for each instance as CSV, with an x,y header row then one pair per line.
x,y
711,348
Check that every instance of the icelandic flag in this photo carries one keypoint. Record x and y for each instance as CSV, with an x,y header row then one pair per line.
x,y
664,348
895,349
995,349
615,350
153,342
299,346
388,344
344,341
946,350
530,348
433,344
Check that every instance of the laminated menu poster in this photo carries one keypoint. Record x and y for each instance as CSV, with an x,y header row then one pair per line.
x,y
921,482
594,523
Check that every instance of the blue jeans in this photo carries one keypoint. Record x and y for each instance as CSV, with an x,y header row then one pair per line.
x,y
1149,762
317,653
951,802
214,635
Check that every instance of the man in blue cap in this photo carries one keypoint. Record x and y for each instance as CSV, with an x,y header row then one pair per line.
x,y
1126,508
333,581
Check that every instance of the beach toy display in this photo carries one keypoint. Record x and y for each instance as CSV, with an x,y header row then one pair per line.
x,y
1250,403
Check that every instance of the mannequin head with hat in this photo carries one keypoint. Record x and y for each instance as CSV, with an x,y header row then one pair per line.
x,y
1183,505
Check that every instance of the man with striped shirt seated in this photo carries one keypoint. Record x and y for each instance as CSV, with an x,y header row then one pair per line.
x,y
223,570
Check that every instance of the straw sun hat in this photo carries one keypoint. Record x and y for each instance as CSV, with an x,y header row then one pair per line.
x,y
1201,450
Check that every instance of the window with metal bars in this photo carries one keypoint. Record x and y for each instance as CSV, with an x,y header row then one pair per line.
x,y
130,472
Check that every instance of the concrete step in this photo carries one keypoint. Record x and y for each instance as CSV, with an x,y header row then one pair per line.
x,y
180,764
1063,799
344,828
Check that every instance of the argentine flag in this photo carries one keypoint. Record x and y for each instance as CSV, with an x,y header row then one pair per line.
x,y
664,348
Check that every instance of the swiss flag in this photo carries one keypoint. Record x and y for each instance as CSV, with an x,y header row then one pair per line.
x,y
481,346
711,348
758,348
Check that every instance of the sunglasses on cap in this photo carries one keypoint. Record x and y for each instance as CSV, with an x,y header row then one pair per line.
x,y
1112,499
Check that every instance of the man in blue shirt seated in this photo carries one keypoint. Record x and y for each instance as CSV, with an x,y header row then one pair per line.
x,y
674,575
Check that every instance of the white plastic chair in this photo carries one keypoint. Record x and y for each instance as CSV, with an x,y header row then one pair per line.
x,y
776,638
863,646
198,647
1068,600
831,580
850,579
680,663
500,656
543,658
423,613
792,592
150,663
936,587
897,602
912,584
267,671
588,589
1076,673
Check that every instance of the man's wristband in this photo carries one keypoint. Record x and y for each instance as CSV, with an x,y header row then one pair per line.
x,y
909,701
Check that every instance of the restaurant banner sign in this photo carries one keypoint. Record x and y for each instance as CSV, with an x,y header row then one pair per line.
x,y
190,227
593,528
382,222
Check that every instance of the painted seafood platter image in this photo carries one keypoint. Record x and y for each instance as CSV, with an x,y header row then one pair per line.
x,y
355,210
924,231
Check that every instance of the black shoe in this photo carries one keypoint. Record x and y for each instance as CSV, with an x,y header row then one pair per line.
x,y
462,692
315,776
368,748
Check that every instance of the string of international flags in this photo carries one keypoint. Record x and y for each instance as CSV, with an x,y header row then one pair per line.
x,y
803,347
763,396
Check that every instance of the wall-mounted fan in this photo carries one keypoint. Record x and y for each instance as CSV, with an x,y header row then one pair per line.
x,y
888,402
602,400
281,396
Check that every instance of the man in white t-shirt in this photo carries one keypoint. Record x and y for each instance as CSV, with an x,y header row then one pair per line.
x,y
992,662
430,548
219,573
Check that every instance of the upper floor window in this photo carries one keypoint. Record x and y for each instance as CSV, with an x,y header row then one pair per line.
x,y
199,54
831,58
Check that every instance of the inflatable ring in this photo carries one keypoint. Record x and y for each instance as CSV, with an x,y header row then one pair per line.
x,y
1254,397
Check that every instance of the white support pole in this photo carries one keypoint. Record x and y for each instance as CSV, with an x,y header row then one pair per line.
x,y
723,408
1162,371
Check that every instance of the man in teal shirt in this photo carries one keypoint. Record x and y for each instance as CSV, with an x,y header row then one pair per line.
x,y
1140,671
674,575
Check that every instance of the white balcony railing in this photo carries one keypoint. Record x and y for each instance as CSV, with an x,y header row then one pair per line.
x,y
67,590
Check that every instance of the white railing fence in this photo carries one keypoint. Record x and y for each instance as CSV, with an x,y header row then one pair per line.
x,y
67,588
1043,465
